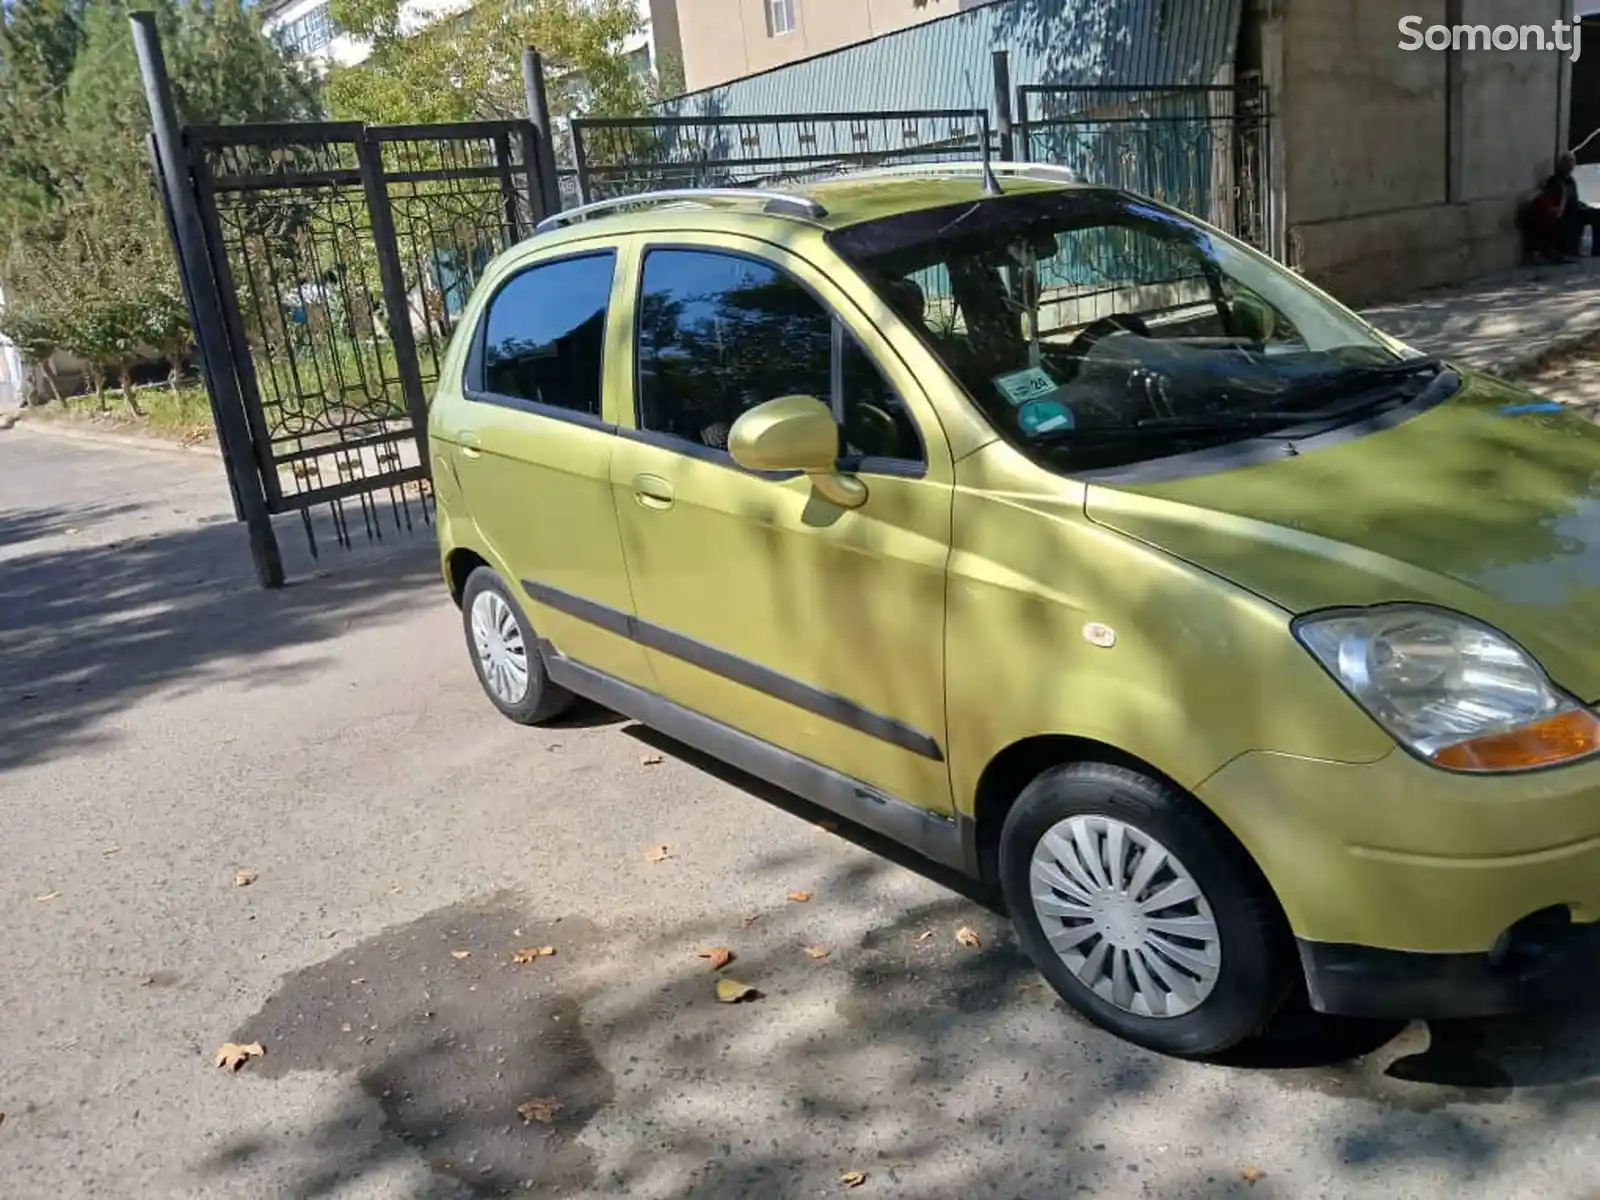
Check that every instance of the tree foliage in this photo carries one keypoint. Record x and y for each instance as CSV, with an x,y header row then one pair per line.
x,y
84,253
468,65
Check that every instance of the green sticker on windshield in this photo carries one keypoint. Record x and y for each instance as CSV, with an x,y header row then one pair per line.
x,y
1031,383
1044,416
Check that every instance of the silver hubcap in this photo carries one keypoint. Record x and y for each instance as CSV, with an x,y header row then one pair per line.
x,y
1125,916
502,653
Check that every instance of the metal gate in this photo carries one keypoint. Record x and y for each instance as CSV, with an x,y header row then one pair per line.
x,y
1206,150
342,255
624,156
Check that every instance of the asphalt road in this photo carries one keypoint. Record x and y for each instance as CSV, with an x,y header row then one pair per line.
x,y
164,725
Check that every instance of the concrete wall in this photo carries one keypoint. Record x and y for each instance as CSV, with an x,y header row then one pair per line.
x,y
728,39
1402,169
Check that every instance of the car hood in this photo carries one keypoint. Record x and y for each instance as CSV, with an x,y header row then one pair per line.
x,y
1488,504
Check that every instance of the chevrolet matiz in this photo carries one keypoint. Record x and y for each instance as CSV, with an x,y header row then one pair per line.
x,y
1075,544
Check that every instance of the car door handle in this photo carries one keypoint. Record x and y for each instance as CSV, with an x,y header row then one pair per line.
x,y
652,491
471,443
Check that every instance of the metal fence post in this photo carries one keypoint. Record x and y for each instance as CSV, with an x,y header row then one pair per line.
x,y
539,115
163,190
1002,103
1024,135
210,337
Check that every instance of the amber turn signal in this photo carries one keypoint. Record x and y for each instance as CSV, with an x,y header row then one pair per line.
x,y
1574,734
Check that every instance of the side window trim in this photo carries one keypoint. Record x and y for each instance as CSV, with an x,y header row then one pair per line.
x,y
841,333
472,372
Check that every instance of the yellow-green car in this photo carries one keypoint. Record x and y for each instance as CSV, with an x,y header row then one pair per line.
x,y
1074,544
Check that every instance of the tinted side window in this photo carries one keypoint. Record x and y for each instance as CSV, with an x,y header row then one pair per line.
x,y
719,334
545,334
875,421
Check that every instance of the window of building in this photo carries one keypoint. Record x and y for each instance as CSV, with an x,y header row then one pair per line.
x,y
780,17
545,332
309,32
720,333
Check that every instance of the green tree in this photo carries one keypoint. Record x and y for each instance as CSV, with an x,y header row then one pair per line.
x,y
469,66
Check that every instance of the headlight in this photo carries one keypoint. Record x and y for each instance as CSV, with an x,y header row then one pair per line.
x,y
1451,689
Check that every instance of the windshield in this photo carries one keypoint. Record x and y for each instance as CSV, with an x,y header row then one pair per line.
x,y
1097,329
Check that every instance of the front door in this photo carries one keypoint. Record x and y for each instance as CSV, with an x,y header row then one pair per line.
x,y
762,605
534,451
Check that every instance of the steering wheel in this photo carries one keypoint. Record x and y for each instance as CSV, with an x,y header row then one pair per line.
x,y
1097,331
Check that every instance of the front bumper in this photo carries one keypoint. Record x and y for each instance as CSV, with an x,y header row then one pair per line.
x,y
1536,967
1417,892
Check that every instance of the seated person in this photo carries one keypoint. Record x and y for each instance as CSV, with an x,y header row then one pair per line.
x,y
1543,221
1576,216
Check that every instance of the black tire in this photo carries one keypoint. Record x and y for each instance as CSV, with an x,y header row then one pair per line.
x,y
541,699
1256,971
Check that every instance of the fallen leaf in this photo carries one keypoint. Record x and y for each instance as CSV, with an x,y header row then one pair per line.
x,y
853,1179
731,991
657,854
968,937
800,897
749,919
110,850
330,933
396,890
47,897
70,531
347,1028
720,957
243,878
924,935
817,951
542,1109
232,1056
458,955
1251,1174
357,982
529,954
651,760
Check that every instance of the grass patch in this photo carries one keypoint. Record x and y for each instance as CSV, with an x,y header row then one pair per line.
x,y
183,416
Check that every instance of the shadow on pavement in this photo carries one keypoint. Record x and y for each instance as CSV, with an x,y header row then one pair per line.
x,y
89,627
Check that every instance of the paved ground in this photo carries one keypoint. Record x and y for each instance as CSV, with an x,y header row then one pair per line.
x,y
164,725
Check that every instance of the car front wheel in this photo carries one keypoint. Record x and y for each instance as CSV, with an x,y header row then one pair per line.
x,y
505,652
1142,911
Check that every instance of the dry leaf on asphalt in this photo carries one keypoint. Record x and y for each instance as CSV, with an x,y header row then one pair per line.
x,y
720,956
800,897
749,919
657,854
530,953
731,991
1251,1174
243,878
651,760
458,955
924,935
853,1179
232,1056
110,850
47,897
817,951
968,937
542,1109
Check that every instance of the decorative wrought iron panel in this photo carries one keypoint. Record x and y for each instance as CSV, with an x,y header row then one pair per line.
x,y
1205,150
343,255
625,156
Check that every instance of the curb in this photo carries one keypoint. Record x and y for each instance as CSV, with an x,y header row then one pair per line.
x,y
1516,366
126,441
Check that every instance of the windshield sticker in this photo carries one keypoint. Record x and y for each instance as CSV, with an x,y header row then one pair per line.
x,y
1030,383
1044,416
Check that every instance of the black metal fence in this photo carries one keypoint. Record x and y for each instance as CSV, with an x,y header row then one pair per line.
x,y
1206,150
624,156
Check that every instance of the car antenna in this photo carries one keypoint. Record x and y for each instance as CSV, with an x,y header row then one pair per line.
x,y
991,183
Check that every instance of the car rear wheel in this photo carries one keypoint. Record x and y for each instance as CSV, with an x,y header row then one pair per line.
x,y
1142,911
505,652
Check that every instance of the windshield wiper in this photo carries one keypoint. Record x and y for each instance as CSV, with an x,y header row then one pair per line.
x,y
1269,419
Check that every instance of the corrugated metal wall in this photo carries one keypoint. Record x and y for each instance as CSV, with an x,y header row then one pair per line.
x,y
945,63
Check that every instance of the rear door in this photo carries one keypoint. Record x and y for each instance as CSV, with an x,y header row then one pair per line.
x,y
536,440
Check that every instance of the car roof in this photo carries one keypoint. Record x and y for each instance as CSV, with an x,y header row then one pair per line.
x,y
823,205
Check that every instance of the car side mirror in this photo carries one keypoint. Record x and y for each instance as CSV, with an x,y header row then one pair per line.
x,y
796,433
